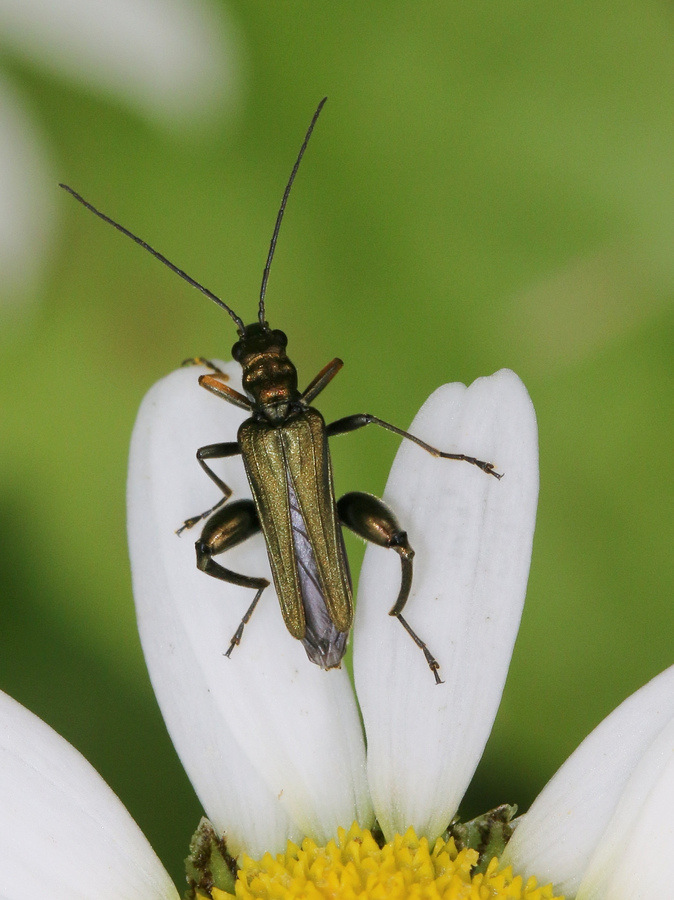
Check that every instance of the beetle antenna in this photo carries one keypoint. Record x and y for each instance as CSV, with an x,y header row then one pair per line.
x,y
238,322
279,217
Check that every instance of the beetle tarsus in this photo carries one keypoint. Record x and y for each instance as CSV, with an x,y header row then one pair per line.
x,y
202,361
238,634
192,521
433,664
480,463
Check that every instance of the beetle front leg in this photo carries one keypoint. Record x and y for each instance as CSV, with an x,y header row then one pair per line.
x,y
235,523
202,361
370,518
322,380
360,420
212,451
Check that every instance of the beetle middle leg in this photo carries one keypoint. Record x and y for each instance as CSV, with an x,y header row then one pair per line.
x,y
370,518
360,420
233,524
213,451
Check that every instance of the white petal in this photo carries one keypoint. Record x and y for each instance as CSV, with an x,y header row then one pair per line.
x,y
634,859
63,833
557,837
472,535
272,743
26,199
170,58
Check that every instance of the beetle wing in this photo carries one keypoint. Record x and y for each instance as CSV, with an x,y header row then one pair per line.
x,y
264,459
296,454
308,461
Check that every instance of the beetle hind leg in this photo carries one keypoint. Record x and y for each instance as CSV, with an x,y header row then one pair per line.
x,y
370,518
230,526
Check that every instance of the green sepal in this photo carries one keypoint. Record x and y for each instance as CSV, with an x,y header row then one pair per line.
x,y
209,864
488,834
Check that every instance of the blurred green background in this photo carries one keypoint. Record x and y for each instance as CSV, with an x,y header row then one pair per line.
x,y
490,185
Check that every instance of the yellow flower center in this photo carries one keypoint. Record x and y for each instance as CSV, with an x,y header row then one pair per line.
x,y
355,866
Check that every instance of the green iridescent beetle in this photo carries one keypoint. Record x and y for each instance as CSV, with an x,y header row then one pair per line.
x,y
284,447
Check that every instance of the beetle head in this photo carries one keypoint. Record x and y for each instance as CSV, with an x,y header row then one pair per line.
x,y
269,377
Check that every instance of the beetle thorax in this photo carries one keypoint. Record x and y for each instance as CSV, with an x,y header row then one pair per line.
x,y
269,378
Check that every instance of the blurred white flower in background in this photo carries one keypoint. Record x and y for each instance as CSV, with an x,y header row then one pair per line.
x,y
26,211
175,62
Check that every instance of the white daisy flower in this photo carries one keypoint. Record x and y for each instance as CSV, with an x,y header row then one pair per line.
x,y
176,62
273,744
600,829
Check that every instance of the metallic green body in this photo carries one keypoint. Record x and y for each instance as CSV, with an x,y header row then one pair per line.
x,y
297,452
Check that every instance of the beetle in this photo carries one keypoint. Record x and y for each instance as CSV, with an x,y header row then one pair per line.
x,y
285,452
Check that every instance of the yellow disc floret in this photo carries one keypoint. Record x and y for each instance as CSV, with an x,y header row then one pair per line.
x,y
355,867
